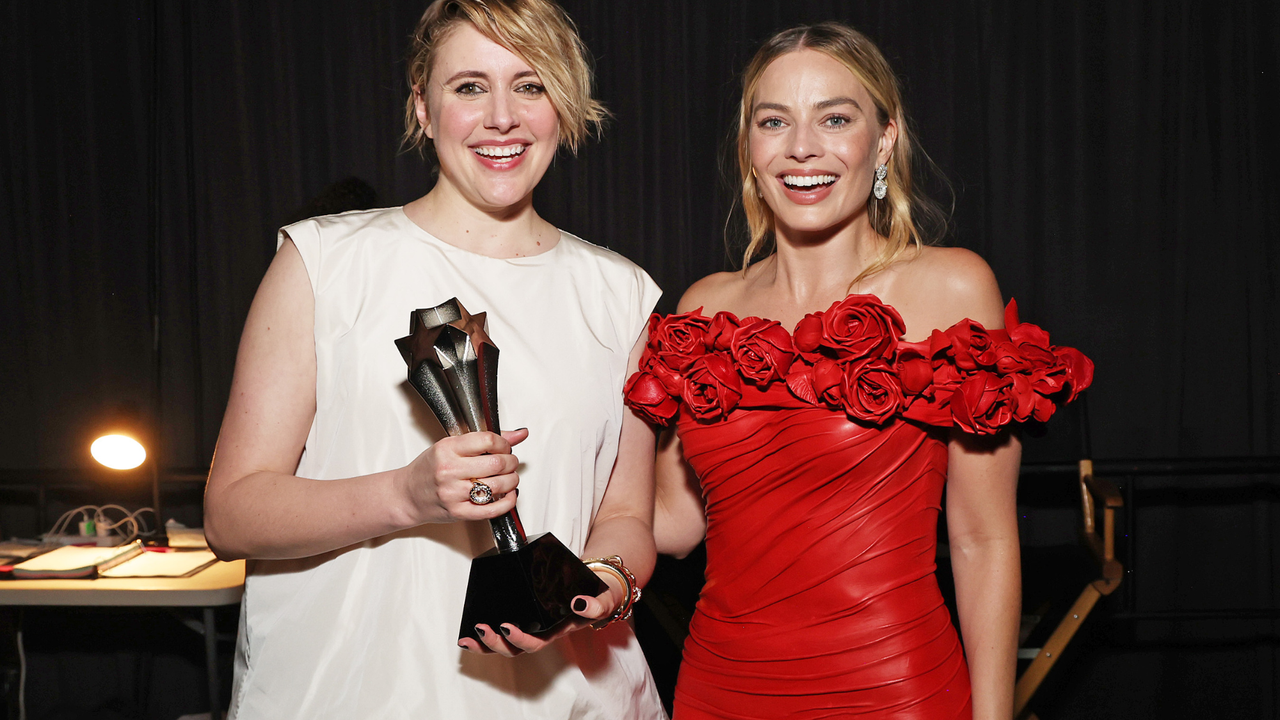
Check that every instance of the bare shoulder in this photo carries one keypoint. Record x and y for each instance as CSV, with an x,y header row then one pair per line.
x,y
712,293
954,284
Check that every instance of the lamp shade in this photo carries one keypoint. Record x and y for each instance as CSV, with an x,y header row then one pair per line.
x,y
118,451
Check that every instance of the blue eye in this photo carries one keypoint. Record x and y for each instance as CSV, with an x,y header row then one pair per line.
x,y
837,121
771,123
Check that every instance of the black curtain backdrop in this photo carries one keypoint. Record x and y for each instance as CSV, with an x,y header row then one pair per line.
x,y
1114,161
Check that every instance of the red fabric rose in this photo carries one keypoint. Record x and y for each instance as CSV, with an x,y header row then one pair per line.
x,y
1027,334
800,381
1026,402
946,376
1078,370
762,349
648,398
971,346
720,331
677,340
828,382
808,336
850,357
914,369
1009,359
872,392
860,327
981,404
671,379
712,387
1032,347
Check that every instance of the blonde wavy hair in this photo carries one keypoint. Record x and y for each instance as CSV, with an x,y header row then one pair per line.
x,y
905,217
539,32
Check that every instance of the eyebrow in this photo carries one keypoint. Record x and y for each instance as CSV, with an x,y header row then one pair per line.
x,y
823,105
837,101
479,74
467,74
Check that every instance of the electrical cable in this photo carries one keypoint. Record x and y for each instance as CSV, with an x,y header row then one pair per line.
x,y
130,519
127,528
149,528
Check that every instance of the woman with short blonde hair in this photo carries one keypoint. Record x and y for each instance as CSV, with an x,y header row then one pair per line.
x,y
538,31
358,514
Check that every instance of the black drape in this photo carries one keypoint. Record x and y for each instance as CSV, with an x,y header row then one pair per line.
x,y
1113,162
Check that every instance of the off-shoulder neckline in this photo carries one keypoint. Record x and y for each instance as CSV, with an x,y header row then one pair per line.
x,y
792,331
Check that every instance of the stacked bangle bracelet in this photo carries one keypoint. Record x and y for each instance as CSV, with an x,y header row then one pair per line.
x,y
613,565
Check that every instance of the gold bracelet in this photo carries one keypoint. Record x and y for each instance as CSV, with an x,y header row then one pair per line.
x,y
614,566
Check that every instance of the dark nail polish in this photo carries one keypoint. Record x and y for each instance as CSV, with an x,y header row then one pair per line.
x,y
579,604
505,632
480,631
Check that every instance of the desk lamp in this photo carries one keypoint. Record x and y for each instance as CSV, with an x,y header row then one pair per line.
x,y
119,449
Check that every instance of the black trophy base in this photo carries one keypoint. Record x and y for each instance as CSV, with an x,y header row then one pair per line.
x,y
531,588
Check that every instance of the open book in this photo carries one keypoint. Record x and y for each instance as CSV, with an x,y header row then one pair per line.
x,y
75,561
179,563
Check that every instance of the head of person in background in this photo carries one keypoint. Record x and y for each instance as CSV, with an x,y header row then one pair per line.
x,y
496,88
823,141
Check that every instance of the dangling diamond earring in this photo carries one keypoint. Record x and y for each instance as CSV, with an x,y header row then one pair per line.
x,y
881,187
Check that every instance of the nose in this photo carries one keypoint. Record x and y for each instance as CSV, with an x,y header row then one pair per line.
x,y
502,115
804,143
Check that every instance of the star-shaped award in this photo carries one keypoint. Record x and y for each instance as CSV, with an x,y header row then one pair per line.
x,y
454,366
527,581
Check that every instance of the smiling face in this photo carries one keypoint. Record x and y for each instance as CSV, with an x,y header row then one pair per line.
x,y
494,129
815,142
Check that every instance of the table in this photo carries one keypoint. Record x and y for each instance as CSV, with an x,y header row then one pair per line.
x,y
222,583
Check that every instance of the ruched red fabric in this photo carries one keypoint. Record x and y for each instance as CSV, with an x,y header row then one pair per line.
x,y
820,599
823,460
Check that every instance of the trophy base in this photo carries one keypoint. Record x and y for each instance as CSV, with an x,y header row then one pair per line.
x,y
531,588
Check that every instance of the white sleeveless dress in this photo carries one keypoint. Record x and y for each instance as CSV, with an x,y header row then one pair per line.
x,y
371,631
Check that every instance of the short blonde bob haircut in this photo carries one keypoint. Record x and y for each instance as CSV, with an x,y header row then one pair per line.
x,y
905,217
539,32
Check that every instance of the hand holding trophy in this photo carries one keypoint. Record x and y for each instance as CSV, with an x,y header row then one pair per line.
x,y
528,582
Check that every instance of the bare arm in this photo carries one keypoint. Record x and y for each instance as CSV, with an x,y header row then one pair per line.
x,y
680,520
256,507
983,526
982,518
624,524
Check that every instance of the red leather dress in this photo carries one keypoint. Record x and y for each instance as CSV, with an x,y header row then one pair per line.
x,y
822,456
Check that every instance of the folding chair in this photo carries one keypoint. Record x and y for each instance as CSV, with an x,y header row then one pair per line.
x,y
1097,495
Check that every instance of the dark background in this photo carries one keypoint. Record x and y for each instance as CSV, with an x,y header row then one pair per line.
x,y
1113,162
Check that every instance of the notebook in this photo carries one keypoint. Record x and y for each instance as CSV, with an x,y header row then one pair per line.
x,y
179,563
76,561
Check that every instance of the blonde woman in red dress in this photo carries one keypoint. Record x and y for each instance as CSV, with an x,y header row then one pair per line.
x,y
822,399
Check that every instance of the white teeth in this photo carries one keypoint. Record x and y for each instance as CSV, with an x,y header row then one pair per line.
x,y
807,180
499,151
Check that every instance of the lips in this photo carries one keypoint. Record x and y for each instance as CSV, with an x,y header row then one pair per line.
x,y
504,156
807,188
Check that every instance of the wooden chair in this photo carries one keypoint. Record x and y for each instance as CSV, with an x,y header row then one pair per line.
x,y
1097,496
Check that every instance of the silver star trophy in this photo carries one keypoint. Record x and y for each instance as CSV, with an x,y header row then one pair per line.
x,y
529,582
